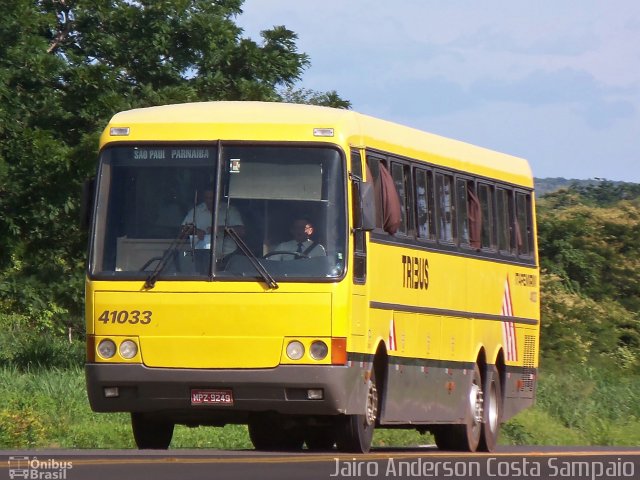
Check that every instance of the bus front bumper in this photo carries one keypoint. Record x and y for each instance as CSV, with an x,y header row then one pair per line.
x,y
283,389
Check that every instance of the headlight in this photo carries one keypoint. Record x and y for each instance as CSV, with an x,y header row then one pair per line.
x,y
318,350
106,348
295,350
128,349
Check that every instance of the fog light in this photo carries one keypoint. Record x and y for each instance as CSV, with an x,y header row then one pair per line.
x,y
111,392
128,349
295,350
315,394
318,350
106,348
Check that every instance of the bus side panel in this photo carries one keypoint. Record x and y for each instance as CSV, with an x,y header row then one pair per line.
x,y
520,381
419,390
427,392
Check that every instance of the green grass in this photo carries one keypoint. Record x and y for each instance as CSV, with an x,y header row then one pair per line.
x,y
49,409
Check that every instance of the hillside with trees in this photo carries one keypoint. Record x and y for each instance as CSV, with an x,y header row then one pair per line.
x,y
545,186
590,257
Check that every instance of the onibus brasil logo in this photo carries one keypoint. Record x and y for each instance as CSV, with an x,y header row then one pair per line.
x,y
33,468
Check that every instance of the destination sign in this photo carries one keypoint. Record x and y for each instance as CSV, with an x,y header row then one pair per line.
x,y
173,153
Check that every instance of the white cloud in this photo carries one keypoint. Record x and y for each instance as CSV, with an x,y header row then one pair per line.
x,y
556,141
479,68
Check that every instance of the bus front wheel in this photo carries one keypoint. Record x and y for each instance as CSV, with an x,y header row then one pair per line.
x,y
356,431
268,432
151,433
320,438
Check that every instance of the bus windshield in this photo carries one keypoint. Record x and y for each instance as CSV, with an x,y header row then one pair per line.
x,y
166,210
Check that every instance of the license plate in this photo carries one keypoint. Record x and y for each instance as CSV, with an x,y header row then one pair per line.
x,y
211,397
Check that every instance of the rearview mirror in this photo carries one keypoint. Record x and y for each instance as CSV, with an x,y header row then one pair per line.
x,y
367,207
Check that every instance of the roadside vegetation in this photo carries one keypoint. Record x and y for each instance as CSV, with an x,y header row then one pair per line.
x,y
61,79
48,408
589,382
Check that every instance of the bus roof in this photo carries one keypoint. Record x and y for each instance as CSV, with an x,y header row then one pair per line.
x,y
265,121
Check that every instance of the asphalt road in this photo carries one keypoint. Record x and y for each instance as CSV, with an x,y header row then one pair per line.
x,y
420,462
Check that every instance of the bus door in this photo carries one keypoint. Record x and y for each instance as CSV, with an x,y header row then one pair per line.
x,y
360,294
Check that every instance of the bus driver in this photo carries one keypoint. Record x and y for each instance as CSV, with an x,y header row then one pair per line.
x,y
301,243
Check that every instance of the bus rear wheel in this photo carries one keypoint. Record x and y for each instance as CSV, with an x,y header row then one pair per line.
x,y
442,436
466,436
492,410
355,434
151,433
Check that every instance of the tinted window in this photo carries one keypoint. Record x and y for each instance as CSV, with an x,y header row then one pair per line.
x,y
397,172
463,214
504,210
485,194
523,224
444,208
424,204
373,167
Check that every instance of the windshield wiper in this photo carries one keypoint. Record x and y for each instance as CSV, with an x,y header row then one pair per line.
x,y
151,279
268,279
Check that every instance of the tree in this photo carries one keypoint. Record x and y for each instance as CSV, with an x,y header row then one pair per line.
x,y
591,243
590,259
66,66
311,97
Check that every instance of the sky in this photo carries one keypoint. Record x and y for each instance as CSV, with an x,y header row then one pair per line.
x,y
554,81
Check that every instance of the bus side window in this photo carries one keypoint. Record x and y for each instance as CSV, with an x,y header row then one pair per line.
x,y
506,237
388,207
401,179
463,214
408,186
360,246
444,208
485,194
530,225
523,223
373,171
474,212
424,204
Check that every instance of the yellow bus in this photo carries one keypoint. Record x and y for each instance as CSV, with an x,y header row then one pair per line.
x,y
313,273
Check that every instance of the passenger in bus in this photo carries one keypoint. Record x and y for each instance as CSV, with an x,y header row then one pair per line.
x,y
201,217
301,245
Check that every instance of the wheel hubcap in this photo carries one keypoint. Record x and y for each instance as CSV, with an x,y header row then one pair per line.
x,y
372,404
476,399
